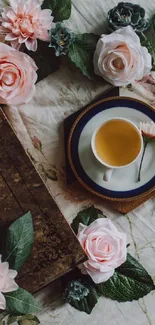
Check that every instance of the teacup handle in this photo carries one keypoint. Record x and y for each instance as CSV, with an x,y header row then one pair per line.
x,y
107,174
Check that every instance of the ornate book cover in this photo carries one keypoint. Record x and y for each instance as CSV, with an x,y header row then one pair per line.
x,y
56,249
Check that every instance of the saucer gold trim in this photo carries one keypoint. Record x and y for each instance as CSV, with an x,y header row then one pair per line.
x,y
70,157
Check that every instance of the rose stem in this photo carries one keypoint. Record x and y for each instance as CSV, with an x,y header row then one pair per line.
x,y
140,167
143,35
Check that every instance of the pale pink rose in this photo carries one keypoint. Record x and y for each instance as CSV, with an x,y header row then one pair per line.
x,y
105,247
145,88
17,76
24,22
7,282
120,59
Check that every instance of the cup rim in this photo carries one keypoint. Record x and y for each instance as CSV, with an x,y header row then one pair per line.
x,y
93,143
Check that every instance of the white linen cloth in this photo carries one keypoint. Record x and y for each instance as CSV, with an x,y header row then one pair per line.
x,y
40,122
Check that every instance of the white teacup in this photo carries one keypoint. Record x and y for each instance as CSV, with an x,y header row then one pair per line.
x,y
116,136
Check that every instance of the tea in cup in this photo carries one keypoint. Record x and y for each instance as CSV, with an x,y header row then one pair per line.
x,y
116,143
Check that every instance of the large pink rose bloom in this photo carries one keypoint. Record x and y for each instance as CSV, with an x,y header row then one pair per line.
x,y
120,59
17,76
105,247
7,282
24,22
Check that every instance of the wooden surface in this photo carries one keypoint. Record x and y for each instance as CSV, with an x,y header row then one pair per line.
x,y
56,249
127,206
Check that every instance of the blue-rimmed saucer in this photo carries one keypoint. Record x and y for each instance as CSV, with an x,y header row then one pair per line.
x,y
89,172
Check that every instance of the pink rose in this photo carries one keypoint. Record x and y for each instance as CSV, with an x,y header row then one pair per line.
x,y
23,22
120,59
145,88
17,76
7,282
105,247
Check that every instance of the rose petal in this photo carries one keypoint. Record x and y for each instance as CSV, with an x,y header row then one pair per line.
x,y
9,285
99,277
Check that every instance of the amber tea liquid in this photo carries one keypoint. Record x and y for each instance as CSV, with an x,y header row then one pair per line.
x,y
117,143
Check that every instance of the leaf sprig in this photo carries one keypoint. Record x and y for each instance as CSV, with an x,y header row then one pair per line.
x,y
61,10
81,53
18,246
19,242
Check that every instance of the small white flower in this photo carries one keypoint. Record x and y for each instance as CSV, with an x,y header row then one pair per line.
x,y
148,133
148,129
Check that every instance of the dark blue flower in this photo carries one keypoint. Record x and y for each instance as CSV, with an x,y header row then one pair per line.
x,y
60,39
126,13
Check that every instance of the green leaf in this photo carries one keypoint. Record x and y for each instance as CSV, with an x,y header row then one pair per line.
x,y
61,10
81,53
153,21
3,316
150,45
86,217
148,40
87,41
129,282
11,319
23,320
19,241
21,302
81,296
28,320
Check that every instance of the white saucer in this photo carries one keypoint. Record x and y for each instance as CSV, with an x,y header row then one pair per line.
x,y
123,183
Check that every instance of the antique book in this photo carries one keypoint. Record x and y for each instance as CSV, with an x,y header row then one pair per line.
x,y
56,249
